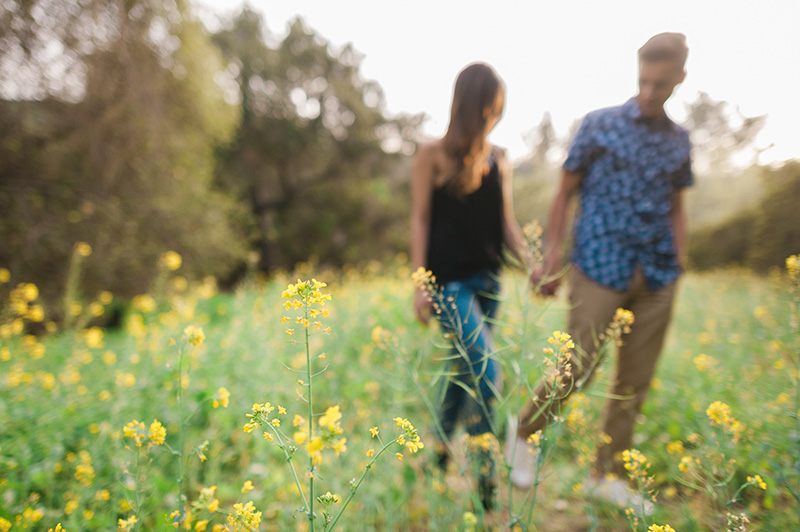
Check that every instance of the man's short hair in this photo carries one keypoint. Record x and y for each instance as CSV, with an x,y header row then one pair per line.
x,y
666,46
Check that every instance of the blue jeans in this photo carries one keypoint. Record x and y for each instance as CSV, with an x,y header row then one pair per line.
x,y
471,303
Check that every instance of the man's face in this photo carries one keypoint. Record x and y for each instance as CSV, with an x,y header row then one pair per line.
x,y
657,80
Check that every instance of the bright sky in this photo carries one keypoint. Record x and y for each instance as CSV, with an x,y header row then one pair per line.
x,y
567,57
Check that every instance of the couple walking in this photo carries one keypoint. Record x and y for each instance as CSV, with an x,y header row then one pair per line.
x,y
628,165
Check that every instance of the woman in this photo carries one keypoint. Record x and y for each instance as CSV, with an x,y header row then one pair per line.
x,y
462,216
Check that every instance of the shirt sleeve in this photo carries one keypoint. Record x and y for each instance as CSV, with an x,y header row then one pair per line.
x,y
583,148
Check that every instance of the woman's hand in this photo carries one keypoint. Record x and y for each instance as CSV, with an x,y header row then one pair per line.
x,y
542,279
423,307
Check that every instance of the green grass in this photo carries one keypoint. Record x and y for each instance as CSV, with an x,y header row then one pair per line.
x,y
73,402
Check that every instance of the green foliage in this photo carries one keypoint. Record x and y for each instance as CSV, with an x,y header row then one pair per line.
x,y
730,341
128,166
761,237
309,155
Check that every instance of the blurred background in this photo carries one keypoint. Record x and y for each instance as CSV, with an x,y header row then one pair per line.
x,y
249,137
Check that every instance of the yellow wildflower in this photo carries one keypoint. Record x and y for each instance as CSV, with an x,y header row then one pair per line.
x,y
339,446
244,514
171,260
675,447
194,335
222,398
157,433
660,528
83,249
757,481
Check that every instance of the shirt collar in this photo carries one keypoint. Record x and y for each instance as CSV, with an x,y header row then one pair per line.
x,y
631,110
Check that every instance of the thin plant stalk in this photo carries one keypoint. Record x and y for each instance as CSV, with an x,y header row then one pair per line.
x,y
310,503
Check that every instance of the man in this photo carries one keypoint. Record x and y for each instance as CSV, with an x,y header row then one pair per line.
x,y
629,165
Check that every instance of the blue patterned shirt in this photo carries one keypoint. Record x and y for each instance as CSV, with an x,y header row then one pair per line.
x,y
630,168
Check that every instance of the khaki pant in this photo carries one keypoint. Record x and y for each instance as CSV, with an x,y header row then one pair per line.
x,y
593,307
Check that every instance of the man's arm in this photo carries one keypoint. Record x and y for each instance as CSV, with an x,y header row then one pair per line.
x,y
556,233
678,219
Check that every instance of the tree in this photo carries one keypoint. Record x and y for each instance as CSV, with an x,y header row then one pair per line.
x,y
312,152
722,139
124,159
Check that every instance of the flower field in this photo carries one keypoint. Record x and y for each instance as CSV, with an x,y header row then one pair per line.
x,y
257,409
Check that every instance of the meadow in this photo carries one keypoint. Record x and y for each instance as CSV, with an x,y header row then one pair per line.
x,y
194,413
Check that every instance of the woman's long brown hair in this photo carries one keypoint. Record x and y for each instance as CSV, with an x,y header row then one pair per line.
x,y
474,98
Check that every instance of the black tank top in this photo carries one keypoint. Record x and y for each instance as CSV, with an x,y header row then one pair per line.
x,y
466,234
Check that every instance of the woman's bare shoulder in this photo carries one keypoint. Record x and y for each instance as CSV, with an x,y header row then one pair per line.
x,y
431,149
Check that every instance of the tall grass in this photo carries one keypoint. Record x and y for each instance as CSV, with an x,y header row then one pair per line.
x,y
66,397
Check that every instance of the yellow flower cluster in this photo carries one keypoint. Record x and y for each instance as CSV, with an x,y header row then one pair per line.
x,y
194,335
757,481
381,336
170,260
685,463
793,266
558,360
84,472
620,324
306,295
21,301
635,462
157,433
328,438
703,362
207,500
636,465
57,529
244,514
124,525
719,413
410,437
222,398
470,520
424,279
660,528
483,442
136,431
328,498
535,439
143,303
259,416
83,249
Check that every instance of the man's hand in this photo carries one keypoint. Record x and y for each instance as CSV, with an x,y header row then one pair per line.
x,y
542,279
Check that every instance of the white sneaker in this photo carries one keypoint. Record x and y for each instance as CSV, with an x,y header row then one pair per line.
x,y
519,456
617,492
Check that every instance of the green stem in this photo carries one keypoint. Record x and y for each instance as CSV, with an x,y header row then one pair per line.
x,y
288,456
181,506
310,503
138,487
354,487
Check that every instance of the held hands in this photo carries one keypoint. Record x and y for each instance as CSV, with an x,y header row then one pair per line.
x,y
546,277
